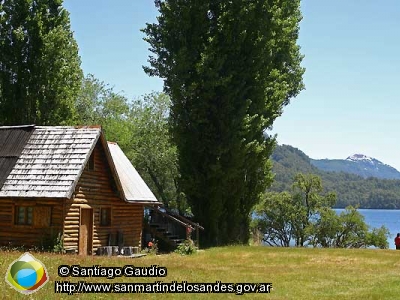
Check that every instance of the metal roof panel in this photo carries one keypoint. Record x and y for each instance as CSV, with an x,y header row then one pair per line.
x,y
134,187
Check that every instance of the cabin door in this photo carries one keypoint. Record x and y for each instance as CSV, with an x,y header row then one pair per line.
x,y
85,231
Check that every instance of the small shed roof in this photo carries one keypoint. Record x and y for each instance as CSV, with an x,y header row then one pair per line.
x,y
133,186
47,161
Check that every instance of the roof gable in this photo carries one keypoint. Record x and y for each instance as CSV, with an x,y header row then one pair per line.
x,y
51,162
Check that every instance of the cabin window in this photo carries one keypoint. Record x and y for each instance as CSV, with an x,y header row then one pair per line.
x,y
105,216
90,163
23,215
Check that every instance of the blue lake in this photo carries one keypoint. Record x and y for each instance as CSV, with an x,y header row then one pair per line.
x,y
378,217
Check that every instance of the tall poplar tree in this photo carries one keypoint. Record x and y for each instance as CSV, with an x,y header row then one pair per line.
x,y
40,74
229,67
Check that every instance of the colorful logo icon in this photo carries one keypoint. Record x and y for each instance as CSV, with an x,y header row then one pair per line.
x,y
27,274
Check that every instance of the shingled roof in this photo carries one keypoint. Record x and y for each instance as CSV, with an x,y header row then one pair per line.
x,y
47,161
12,142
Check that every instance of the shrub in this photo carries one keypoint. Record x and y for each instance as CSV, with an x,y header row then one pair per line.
x,y
187,247
58,246
152,247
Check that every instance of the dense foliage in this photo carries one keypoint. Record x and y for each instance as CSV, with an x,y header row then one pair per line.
x,y
141,129
40,74
187,247
346,230
349,188
229,68
304,217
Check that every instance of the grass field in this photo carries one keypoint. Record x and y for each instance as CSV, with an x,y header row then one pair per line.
x,y
295,273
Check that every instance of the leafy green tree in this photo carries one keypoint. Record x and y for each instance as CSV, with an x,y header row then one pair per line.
x,y
307,189
152,150
40,74
305,216
229,67
275,216
378,237
99,104
92,95
324,229
353,230
347,230
291,216
141,129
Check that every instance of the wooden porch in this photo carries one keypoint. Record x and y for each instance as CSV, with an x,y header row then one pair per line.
x,y
169,227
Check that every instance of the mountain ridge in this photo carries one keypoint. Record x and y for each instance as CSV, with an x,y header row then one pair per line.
x,y
359,164
351,189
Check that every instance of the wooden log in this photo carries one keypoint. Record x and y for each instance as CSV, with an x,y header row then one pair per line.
x,y
70,239
99,242
115,250
127,251
81,201
108,250
74,220
95,195
100,251
73,213
101,239
71,227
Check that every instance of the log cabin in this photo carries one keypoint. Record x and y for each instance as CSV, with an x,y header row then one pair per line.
x,y
71,183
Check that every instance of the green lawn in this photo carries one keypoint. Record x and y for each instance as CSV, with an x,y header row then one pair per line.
x,y
295,273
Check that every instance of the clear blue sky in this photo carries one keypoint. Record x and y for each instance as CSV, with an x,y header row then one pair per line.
x,y
352,61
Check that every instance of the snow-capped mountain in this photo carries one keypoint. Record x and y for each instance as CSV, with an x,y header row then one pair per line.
x,y
360,157
359,164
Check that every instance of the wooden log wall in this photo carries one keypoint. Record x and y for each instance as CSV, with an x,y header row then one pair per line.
x,y
38,234
96,189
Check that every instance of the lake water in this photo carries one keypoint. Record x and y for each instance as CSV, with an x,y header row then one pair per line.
x,y
378,217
